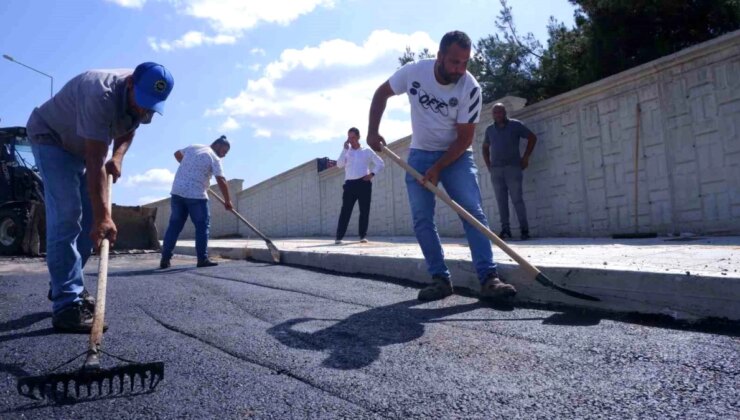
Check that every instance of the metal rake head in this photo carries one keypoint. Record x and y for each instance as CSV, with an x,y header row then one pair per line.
x,y
133,378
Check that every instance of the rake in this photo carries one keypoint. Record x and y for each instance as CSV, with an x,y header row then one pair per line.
x,y
273,249
132,377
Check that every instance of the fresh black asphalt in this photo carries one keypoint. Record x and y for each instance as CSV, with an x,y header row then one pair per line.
x,y
253,340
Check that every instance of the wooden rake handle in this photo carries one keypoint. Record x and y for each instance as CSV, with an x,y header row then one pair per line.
x,y
236,213
96,334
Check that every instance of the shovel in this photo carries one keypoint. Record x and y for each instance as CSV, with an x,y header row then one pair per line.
x,y
531,270
273,249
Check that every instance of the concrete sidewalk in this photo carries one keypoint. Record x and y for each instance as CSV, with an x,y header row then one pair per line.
x,y
685,278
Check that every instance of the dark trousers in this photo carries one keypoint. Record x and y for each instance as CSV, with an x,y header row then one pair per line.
x,y
507,180
355,190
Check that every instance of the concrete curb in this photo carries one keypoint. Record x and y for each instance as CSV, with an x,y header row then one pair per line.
x,y
682,297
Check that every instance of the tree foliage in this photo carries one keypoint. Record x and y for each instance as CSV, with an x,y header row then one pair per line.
x,y
609,36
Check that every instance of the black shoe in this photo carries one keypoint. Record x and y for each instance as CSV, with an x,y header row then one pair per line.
x,y
88,301
207,263
75,318
525,235
164,263
494,288
86,297
505,234
440,288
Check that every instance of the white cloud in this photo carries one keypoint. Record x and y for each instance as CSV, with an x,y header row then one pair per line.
x,y
230,18
190,40
255,67
156,178
229,125
239,15
133,4
316,93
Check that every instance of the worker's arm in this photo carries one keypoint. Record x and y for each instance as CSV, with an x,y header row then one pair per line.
x,y
486,151
531,141
463,141
97,187
224,187
179,156
120,147
377,108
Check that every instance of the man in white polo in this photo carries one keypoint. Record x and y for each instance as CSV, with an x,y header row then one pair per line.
x,y
358,185
190,198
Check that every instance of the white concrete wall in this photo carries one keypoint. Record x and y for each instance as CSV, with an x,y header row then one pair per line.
x,y
581,175
223,223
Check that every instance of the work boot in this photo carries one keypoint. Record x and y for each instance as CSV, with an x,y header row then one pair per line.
x,y
525,234
75,318
505,234
206,263
164,263
440,288
363,240
494,288
88,301
86,297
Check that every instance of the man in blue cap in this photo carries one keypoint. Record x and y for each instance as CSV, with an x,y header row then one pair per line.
x,y
70,136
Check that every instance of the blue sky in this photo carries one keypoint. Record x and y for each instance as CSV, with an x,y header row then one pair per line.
x,y
283,79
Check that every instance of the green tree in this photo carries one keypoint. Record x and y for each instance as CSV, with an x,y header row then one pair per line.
x,y
609,36
620,34
411,56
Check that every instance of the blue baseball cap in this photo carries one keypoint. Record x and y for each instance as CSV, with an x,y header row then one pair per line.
x,y
152,85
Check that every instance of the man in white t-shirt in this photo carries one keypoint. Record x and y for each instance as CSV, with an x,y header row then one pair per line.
x,y
189,197
445,107
358,185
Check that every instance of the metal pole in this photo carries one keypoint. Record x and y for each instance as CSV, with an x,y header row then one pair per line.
x,y
51,92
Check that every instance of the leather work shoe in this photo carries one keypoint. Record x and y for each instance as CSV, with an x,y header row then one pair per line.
x,y
494,288
86,297
164,263
505,234
75,318
207,263
440,288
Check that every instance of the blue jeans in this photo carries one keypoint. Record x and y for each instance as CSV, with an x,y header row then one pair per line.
x,y
200,214
461,183
68,221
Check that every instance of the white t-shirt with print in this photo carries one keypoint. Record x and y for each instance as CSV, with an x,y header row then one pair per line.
x,y
436,109
193,177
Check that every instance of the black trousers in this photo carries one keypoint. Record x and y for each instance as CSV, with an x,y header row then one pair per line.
x,y
355,190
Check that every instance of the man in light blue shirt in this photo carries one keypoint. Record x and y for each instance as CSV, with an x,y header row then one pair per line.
x,y
70,136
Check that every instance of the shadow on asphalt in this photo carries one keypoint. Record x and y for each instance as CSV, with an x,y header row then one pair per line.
x,y
147,272
35,333
61,402
355,342
24,321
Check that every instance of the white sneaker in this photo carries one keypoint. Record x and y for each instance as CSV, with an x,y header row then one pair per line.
x,y
337,242
363,240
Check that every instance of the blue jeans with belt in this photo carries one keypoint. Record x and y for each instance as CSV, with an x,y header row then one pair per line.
x,y
461,183
200,214
68,221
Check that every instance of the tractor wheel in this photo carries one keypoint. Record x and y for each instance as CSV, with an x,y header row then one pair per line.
x,y
12,229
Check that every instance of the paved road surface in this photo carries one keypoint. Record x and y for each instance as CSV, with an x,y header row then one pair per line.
x,y
251,340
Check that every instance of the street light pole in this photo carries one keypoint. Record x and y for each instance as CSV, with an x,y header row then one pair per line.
x,y
9,58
